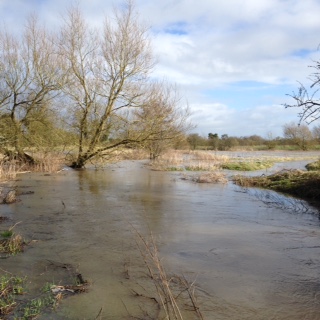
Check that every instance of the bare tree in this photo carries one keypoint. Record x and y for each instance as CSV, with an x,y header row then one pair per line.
x,y
299,134
316,133
161,121
29,80
111,99
308,100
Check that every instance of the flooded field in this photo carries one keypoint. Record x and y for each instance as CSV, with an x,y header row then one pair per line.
x,y
248,259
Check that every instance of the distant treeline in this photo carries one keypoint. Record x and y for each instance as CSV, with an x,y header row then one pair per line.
x,y
296,137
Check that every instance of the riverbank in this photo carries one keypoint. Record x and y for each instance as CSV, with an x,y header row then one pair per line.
x,y
298,183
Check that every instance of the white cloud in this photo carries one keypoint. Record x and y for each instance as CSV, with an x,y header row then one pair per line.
x,y
260,120
210,44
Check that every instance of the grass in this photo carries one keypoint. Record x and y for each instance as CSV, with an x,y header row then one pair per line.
x,y
207,177
301,184
8,170
44,162
11,287
13,307
313,166
178,160
211,177
247,165
11,243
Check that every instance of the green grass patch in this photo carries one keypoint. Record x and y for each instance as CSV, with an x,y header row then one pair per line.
x,y
301,184
6,234
313,166
10,287
32,306
247,165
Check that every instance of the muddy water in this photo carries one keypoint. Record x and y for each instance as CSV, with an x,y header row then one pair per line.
x,y
249,260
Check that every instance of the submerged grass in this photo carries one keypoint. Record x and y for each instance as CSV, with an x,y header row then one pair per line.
x,y
301,184
11,307
10,287
35,304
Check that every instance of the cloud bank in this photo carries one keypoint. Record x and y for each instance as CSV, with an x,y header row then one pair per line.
x,y
234,61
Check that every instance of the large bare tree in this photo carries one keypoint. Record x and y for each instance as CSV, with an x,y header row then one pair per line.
x,y
30,78
107,75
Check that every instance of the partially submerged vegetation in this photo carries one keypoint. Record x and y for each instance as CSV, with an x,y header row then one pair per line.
x,y
12,287
175,295
13,307
313,166
301,184
10,243
184,160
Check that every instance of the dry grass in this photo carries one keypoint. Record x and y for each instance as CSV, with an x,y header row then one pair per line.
x,y
176,160
43,162
11,243
46,162
10,286
8,170
209,156
133,154
170,289
211,177
201,166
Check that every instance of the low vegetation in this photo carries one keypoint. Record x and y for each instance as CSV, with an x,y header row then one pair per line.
x,y
301,184
10,243
13,307
313,166
10,287
8,170
36,303
247,165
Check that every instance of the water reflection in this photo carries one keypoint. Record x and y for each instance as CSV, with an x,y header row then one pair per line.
x,y
251,260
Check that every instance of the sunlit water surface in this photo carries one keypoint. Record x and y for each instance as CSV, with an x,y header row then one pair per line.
x,y
250,260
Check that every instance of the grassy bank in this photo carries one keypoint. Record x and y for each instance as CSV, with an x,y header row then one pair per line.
x,y
301,184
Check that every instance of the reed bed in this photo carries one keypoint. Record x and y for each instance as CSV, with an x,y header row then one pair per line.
x,y
176,160
47,162
209,156
8,170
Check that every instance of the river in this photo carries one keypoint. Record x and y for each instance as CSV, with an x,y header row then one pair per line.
x,y
249,259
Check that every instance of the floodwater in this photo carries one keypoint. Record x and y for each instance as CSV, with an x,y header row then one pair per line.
x,y
249,260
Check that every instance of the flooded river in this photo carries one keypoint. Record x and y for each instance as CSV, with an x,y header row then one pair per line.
x,y
248,259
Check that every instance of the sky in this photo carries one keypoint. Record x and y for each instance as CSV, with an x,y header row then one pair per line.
x,y
234,61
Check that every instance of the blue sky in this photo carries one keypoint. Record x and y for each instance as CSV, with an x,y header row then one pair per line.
x,y
233,61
